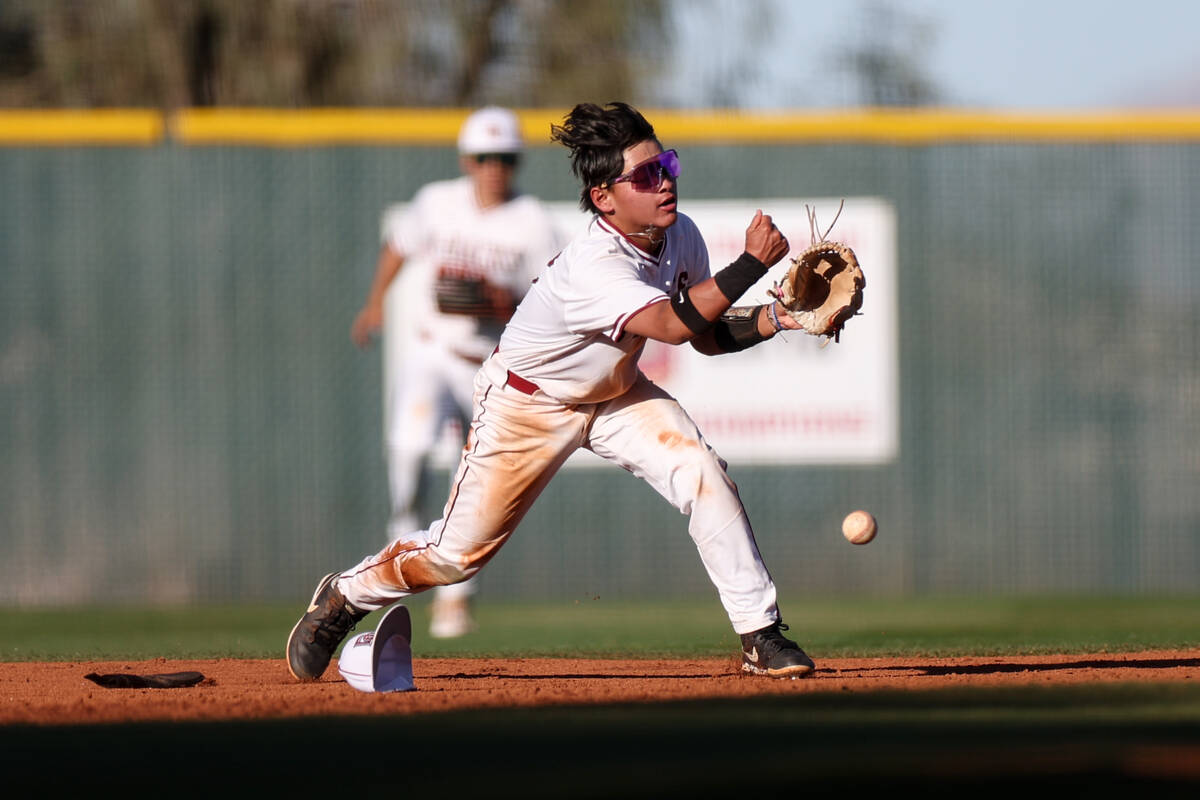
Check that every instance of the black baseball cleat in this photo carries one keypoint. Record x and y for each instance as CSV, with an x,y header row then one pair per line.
x,y
769,652
319,632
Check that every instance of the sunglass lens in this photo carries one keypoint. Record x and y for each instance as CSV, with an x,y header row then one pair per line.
x,y
670,162
645,178
507,159
649,177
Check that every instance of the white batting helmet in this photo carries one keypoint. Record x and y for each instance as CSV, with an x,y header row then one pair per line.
x,y
490,130
381,660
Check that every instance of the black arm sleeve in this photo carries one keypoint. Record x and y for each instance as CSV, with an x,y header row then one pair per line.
x,y
737,329
734,280
688,314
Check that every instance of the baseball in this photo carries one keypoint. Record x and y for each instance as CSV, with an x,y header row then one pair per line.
x,y
859,527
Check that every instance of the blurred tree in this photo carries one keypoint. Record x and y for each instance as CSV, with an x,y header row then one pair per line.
x,y
730,43
296,53
888,59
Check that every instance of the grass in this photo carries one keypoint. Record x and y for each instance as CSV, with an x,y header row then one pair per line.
x,y
826,627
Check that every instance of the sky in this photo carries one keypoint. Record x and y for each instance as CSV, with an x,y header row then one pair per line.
x,y
1066,55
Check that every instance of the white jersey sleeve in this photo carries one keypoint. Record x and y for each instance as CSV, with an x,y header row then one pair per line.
x,y
406,234
606,295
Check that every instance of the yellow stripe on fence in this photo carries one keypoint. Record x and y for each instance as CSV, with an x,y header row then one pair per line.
x,y
886,126
883,126
90,127
316,126
439,127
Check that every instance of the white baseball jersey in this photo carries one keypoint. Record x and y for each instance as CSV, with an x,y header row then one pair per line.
x,y
445,230
568,335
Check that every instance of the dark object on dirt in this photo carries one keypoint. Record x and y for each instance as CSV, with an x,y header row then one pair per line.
x,y
121,680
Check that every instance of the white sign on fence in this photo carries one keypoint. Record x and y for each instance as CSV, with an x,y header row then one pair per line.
x,y
789,400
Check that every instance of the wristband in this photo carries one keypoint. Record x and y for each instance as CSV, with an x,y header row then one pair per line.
x,y
734,280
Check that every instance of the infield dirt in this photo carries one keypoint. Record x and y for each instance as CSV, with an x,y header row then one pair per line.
x,y
57,693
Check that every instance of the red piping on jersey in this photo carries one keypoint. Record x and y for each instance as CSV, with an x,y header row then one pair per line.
x,y
618,330
608,226
623,320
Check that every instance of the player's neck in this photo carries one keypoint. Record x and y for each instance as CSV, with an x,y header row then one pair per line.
x,y
649,238
486,199
645,236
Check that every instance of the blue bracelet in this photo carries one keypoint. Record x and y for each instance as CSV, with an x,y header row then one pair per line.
x,y
773,317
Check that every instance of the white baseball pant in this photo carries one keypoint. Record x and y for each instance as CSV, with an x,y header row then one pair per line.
x,y
518,440
433,387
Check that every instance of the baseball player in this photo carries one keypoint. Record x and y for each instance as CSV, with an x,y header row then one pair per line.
x,y
470,248
565,376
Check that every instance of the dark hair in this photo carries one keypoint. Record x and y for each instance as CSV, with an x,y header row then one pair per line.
x,y
598,138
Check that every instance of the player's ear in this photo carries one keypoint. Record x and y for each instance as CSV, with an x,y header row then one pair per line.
x,y
602,199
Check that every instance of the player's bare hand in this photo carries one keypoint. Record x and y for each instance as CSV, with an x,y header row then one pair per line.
x,y
764,241
366,324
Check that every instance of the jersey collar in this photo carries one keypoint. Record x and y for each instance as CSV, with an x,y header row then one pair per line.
x,y
648,258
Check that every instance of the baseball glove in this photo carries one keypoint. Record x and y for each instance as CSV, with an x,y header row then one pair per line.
x,y
474,297
823,288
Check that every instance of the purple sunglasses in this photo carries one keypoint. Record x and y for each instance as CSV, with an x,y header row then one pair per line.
x,y
648,176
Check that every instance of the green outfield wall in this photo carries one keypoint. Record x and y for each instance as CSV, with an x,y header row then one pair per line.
x,y
183,417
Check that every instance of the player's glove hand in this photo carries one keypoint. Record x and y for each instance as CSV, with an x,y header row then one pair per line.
x,y
823,288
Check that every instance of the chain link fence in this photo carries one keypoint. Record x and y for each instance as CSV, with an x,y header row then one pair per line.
x,y
183,417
